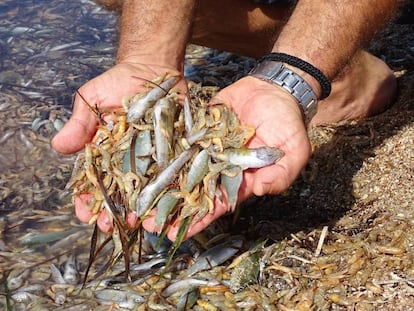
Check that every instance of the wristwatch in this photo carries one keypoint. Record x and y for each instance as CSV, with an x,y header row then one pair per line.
x,y
277,73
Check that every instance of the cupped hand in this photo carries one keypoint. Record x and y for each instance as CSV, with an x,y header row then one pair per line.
x,y
278,121
103,93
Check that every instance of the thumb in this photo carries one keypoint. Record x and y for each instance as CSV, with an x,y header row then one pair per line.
x,y
78,131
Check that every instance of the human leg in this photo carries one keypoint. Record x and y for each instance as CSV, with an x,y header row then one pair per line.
x,y
364,88
240,26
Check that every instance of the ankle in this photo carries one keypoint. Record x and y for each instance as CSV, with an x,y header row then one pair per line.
x,y
365,88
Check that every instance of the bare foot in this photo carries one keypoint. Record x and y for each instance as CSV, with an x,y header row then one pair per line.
x,y
115,5
366,88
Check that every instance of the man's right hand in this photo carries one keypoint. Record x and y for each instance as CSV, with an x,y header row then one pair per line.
x,y
105,93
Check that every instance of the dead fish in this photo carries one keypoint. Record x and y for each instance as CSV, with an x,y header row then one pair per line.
x,y
36,239
64,46
188,299
123,297
182,285
163,118
250,157
24,297
6,135
188,119
198,170
70,273
38,123
18,280
18,30
231,185
215,256
154,188
138,107
246,268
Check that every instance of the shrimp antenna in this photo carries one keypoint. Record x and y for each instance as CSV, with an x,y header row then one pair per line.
x,y
151,82
95,109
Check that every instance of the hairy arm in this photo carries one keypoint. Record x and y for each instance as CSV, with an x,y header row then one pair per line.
x,y
327,33
153,39
155,32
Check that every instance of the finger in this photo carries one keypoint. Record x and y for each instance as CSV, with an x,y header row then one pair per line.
x,y
272,180
219,210
131,219
149,222
82,211
79,130
84,214
104,222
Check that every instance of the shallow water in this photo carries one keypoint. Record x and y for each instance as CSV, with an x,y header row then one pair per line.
x,y
52,47
47,50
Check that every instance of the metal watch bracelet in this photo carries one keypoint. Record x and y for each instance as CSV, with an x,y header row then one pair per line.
x,y
277,73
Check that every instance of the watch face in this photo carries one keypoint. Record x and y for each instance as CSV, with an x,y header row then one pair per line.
x,y
267,70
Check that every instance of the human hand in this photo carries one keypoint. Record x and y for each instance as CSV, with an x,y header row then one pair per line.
x,y
278,122
105,93
277,118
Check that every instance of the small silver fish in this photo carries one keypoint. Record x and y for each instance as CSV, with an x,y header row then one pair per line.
x,y
18,280
64,46
164,206
182,285
215,256
70,273
6,135
188,119
198,170
138,107
250,157
124,298
163,119
154,188
232,185
24,297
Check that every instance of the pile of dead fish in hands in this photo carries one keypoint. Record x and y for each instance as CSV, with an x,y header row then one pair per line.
x,y
159,155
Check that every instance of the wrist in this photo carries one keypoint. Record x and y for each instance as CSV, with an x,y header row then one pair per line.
x,y
309,79
310,72
155,32
153,60
278,74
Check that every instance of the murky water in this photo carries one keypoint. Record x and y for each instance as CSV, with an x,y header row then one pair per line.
x,y
47,50
52,47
